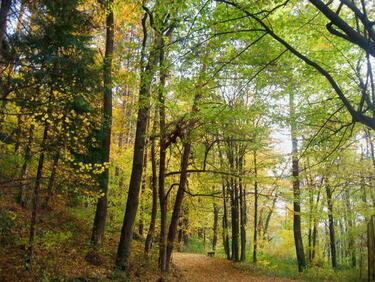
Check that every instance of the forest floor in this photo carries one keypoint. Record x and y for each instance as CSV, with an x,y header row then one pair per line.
x,y
195,267
62,243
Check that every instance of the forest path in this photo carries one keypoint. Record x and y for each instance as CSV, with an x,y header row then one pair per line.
x,y
201,268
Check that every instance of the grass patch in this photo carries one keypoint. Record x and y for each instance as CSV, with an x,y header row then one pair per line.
x,y
287,268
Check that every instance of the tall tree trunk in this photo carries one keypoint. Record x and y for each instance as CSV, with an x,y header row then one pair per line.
x,y
235,221
225,223
351,224
183,177
52,178
163,201
143,189
371,248
4,13
154,186
101,207
315,227
179,199
311,209
242,203
35,202
25,168
215,226
18,133
268,218
300,253
20,22
124,247
255,237
372,153
331,226
243,220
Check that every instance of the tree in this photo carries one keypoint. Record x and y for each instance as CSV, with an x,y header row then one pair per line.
x,y
148,70
296,188
101,209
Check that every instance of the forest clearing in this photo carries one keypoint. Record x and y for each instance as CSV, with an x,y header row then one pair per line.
x,y
197,140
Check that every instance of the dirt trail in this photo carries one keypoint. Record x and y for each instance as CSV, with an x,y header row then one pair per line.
x,y
200,268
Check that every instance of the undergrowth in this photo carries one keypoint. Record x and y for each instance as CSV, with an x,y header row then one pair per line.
x,y
287,268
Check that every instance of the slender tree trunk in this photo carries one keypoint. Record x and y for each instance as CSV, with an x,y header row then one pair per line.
x,y
4,13
311,210
260,221
331,226
35,202
154,185
351,224
52,178
268,218
372,153
242,203
124,248
17,144
315,227
314,236
243,220
371,248
178,201
235,221
19,26
300,253
101,207
215,226
163,201
183,180
225,223
25,168
143,189
255,237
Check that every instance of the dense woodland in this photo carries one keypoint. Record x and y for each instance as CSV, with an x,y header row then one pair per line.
x,y
133,130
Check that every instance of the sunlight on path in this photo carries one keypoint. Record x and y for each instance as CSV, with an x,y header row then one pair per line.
x,y
201,268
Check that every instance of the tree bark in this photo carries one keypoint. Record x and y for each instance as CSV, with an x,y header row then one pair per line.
x,y
4,13
143,189
154,186
101,207
225,223
235,220
52,178
242,203
351,224
178,201
25,168
255,237
163,201
331,226
296,190
35,202
215,226
243,220
124,247
268,218
371,248
315,227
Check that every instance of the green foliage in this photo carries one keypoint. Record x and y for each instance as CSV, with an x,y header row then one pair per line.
x,y
194,245
277,267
